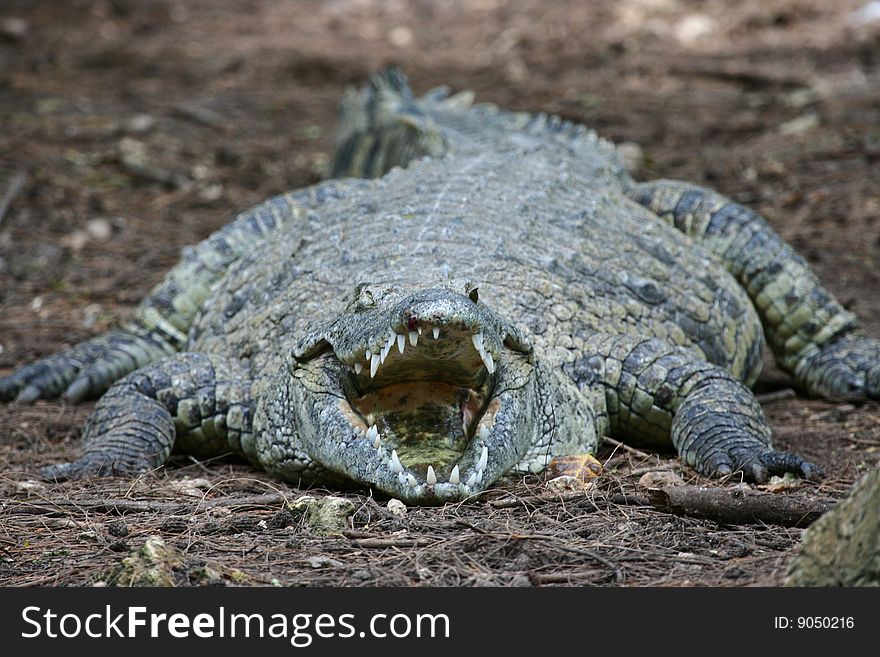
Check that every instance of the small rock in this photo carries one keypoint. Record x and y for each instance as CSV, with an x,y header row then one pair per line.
x,y
140,123
99,229
397,507
401,36
37,304
694,27
801,124
660,479
778,484
191,487
14,28
30,485
324,515
568,484
151,565
321,561
211,193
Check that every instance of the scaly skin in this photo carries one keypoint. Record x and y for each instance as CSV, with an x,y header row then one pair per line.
x,y
508,297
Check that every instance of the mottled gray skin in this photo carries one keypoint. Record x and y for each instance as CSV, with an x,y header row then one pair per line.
x,y
842,548
569,303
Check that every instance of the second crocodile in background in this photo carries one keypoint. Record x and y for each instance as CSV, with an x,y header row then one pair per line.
x,y
500,294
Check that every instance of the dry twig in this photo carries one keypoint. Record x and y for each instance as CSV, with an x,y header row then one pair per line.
x,y
739,505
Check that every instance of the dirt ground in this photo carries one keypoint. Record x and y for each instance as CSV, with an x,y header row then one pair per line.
x,y
129,129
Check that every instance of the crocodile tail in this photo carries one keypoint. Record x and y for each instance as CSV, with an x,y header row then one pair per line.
x,y
381,126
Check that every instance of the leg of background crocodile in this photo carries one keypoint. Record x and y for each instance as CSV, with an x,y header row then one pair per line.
x,y
97,362
811,334
202,399
653,390
163,319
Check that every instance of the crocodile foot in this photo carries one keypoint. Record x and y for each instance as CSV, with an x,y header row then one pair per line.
x,y
848,368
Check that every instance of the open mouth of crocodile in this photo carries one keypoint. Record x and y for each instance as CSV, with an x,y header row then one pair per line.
x,y
432,398
425,397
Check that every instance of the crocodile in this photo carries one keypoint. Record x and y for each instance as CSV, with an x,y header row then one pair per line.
x,y
471,294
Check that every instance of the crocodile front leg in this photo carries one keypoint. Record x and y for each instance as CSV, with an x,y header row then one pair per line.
x,y
656,392
85,368
812,335
197,403
162,321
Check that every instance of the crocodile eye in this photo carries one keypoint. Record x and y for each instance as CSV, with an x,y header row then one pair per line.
x,y
363,298
474,295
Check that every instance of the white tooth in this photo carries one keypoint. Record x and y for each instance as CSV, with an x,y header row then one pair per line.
x,y
479,476
367,355
413,338
471,480
478,342
453,476
401,478
419,327
372,432
396,465
384,353
484,459
431,477
484,432
377,442
357,368
374,364
411,481
401,342
436,332
488,362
